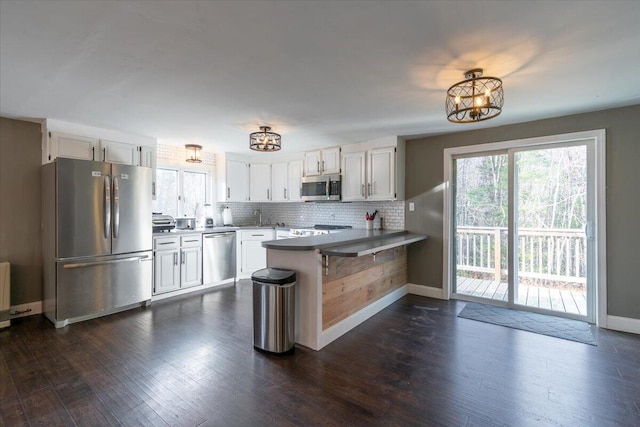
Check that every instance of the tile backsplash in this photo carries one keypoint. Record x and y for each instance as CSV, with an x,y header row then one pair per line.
x,y
307,214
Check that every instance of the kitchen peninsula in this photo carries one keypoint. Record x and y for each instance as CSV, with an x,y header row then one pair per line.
x,y
342,279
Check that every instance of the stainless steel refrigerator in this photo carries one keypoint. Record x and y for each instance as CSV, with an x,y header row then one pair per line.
x,y
97,238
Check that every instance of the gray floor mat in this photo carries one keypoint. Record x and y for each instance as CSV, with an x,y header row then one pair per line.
x,y
573,330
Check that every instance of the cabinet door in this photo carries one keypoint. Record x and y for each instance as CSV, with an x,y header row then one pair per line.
x,y
237,181
330,163
119,152
382,165
166,276
312,163
260,182
295,180
72,146
254,256
148,159
191,268
280,182
353,177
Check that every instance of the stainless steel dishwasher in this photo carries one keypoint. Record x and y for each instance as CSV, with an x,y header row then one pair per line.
x,y
219,257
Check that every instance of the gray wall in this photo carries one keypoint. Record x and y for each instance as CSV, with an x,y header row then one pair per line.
x,y
424,170
20,156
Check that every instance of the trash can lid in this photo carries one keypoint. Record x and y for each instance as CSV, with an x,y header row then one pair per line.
x,y
275,276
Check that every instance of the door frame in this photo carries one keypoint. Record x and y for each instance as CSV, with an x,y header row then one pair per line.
x,y
598,177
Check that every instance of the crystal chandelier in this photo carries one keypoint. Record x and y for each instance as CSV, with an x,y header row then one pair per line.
x,y
475,99
264,140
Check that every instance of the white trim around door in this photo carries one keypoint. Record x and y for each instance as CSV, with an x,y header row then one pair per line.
x,y
598,177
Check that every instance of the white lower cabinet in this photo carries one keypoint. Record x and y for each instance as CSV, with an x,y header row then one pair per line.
x,y
177,263
191,260
251,255
166,276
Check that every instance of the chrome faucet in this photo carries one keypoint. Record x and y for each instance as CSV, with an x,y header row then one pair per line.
x,y
259,213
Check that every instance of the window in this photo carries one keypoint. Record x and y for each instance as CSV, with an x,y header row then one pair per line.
x,y
181,192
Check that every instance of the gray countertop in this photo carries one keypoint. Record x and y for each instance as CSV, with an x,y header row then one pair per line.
x,y
176,232
335,240
374,246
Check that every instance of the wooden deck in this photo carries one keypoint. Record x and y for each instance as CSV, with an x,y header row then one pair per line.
x,y
564,301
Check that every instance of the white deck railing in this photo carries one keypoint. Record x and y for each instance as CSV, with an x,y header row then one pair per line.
x,y
544,254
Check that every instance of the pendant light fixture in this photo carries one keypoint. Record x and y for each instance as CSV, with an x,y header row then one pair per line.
x,y
265,140
193,153
474,99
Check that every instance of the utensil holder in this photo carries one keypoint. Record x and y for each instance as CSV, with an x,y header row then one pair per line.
x,y
369,224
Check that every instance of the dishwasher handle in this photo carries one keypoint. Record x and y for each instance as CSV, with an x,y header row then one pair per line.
x,y
218,235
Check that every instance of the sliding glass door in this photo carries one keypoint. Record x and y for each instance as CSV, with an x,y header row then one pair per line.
x,y
551,219
522,226
481,218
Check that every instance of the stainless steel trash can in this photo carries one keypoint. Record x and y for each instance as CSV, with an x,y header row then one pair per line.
x,y
274,310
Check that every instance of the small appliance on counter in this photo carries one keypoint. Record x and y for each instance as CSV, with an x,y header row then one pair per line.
x,y
227,219
186,223
162,222
208,216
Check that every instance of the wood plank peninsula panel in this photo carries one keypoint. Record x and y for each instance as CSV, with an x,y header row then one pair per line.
x,y
342,279
353,283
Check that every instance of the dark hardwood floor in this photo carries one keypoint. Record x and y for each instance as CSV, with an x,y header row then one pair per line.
x,y
190,362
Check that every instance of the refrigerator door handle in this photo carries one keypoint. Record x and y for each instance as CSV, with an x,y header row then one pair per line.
x,y
116,207
107,207
94,263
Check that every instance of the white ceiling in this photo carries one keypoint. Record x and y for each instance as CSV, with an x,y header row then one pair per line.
x,y
320,73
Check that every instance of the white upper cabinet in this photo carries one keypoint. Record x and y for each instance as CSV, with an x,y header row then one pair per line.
x,y
237,181
312,164
280,182
353,178
260,182
381,176
232,179
119,152
148,159
286,178
373,170
331,161
322,162
295,180
71,146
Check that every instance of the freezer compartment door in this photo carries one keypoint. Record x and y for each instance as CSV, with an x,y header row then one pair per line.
x,y
83,208
94,286
131,209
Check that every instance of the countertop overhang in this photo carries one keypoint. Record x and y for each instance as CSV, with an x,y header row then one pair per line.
x,y
375,246
347,243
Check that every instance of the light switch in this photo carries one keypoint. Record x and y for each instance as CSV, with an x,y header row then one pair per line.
x,y
412,206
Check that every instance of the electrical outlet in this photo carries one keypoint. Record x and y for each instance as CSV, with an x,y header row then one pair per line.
x,y
412,206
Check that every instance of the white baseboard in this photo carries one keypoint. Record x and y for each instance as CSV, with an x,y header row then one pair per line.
x,y
623,324
23,310
426,291
341,328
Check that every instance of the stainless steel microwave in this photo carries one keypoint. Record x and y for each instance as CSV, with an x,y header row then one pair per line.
x,y
321,188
